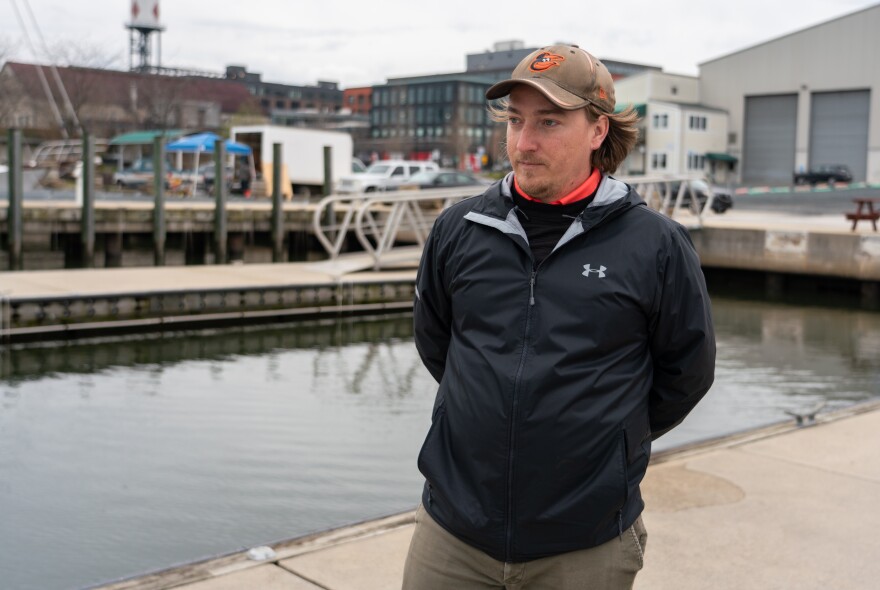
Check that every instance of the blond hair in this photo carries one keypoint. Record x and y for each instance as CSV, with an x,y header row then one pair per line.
x,y
623,132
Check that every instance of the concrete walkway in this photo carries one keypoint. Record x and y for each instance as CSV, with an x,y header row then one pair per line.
x,y
780,507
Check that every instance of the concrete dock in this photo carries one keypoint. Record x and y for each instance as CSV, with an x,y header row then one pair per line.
x,y
778,507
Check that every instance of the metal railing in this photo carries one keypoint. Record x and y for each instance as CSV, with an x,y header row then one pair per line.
x,y
382,222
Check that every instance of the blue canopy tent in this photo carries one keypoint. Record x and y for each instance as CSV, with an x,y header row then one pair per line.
x,y
204,143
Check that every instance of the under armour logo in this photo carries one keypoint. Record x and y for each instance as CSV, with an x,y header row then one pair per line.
x,y
600,271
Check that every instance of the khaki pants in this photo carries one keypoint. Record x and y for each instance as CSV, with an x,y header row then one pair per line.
x,y
437,560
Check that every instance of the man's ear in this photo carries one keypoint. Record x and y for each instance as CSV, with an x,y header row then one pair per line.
x,y
600,132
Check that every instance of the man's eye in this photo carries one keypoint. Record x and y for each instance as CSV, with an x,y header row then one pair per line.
x,y
550,123
513,120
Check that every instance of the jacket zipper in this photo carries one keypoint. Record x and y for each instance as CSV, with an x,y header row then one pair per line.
x,y
512,429
532,288
511,435
512,425
623,452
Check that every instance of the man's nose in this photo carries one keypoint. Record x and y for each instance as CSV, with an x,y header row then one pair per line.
x,y
526,140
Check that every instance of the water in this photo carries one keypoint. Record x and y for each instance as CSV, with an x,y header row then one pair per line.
x,y
131,455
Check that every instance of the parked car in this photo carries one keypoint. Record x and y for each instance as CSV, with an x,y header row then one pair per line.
x,y
443,179
140,176
721,203
383,175
825,173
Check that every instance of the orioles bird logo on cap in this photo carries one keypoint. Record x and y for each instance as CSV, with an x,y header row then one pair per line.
x,y
545,61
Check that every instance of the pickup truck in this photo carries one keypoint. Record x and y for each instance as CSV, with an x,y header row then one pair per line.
x,y
383,175
828,173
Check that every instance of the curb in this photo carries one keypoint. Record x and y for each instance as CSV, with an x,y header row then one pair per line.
x,y
819,188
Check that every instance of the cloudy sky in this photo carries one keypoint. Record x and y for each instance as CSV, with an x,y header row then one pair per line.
x,y
362,43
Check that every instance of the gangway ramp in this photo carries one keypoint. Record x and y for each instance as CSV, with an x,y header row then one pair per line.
x,y
385,222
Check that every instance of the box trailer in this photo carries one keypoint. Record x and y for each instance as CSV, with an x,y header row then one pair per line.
x,y
302,155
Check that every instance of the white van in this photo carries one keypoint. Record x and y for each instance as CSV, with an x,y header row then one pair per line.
x,y
383,175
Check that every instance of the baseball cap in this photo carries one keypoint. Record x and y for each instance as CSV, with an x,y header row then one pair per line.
x,y
567,75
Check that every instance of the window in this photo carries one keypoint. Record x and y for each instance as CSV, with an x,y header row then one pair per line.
x,y
661,121
658,161
696,161
696,122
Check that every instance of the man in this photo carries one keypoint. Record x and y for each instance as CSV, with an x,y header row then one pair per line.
x,y
568,326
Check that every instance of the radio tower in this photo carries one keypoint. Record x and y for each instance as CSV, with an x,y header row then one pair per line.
x,y
144,22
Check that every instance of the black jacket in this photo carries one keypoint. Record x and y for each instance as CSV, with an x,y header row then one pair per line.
x,y
554,380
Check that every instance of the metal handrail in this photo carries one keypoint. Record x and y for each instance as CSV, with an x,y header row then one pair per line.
x,y
378,219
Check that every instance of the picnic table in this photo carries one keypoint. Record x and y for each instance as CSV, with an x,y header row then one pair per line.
x,y
865,211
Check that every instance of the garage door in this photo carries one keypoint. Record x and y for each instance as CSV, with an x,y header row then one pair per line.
x,y
768,147
839,130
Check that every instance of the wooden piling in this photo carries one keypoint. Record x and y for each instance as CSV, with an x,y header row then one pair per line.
x,y
16,196
277,206
159,228
220,202
87,228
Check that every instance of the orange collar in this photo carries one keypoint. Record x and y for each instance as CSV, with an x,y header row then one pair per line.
x,y
587,188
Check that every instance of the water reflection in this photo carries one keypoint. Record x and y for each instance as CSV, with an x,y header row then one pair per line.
x,y
752,336
39,361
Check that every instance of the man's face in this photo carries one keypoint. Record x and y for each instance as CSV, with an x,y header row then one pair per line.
x,y
548,147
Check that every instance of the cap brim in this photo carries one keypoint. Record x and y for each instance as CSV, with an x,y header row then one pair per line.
x,y
555,94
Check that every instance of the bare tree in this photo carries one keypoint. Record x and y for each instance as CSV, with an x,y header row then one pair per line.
x,y
82,78
11,93
156,100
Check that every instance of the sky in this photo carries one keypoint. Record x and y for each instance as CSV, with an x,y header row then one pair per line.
x,y
363,43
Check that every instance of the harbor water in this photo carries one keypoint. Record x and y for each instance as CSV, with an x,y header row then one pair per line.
x,y
123,456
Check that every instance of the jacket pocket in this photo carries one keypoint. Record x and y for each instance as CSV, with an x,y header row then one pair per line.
x,y
434,443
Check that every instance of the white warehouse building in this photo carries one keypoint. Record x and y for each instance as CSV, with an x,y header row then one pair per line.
x,y
805,99
678,133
